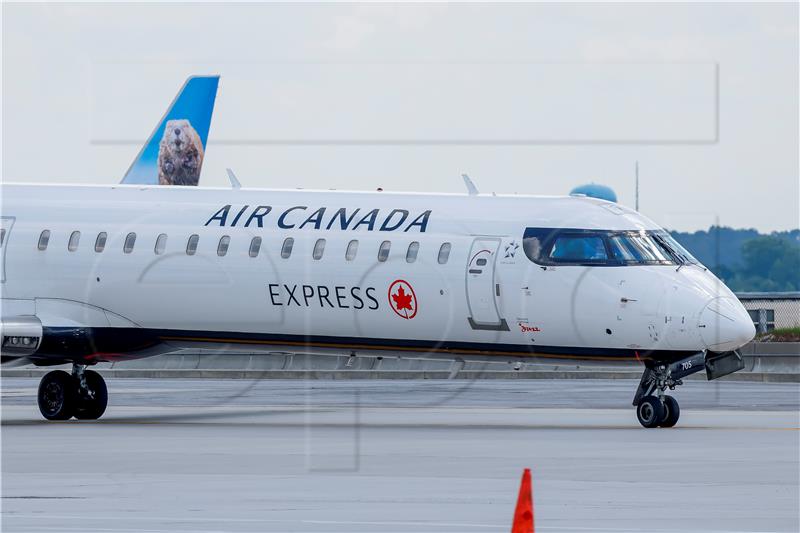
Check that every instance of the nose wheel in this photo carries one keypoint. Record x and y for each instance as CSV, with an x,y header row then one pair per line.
x,y
655,411
82,394
672,412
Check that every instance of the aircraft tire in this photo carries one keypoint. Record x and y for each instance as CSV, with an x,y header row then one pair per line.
x,y
672,412
650,412
57,395
92,408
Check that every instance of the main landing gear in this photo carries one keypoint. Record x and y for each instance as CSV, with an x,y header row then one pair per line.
x,y
82,394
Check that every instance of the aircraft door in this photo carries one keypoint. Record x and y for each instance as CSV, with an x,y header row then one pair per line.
x,y
5,229
483,290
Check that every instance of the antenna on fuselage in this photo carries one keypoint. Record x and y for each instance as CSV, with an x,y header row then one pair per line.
x,y
234,182
472,190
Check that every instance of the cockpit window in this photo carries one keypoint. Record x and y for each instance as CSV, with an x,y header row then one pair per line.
x,y
638,248
675,248
551,246
578,248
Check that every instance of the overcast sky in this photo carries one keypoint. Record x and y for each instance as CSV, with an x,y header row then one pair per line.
x,y
532,99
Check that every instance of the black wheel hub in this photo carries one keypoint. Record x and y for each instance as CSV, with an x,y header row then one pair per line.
x,y
646,411
53,396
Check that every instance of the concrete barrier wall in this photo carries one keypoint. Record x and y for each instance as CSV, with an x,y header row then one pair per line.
x,y
776,357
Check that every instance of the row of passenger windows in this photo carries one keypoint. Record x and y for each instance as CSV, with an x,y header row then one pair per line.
x,y
255,246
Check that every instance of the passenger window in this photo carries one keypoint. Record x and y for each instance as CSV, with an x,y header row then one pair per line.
x,y
319,249
100,242
130,240
352,250
286,249
578,248
191,244
383,251
222,247
413,250
444,253
44,238
481,262
2,236
161,244
255,246
74,240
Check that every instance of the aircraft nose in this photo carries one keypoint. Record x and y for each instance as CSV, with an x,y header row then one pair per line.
x,y
725,325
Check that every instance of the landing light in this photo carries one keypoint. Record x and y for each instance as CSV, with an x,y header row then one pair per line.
x,y
16,341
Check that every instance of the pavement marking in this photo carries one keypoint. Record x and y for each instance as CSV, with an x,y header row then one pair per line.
x,y
388,523
185,420
249,521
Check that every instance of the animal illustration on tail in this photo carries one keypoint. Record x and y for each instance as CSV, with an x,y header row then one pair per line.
x,y
180,154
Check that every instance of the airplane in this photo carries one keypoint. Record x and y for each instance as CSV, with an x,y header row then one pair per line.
x,y
94,273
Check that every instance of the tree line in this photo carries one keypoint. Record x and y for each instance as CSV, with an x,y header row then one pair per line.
x,y
747,260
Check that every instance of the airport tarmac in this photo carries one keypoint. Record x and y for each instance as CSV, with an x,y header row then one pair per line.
x,y
396,456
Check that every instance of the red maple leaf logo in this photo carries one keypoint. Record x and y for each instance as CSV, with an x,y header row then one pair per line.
x,y
404,301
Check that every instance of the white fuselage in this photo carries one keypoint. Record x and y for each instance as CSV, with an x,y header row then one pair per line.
x,y
485,297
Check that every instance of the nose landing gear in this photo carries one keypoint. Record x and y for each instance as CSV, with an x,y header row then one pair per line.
x,y
83,394
653,407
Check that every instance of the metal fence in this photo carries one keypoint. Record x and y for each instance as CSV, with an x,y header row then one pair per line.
x,y
772,310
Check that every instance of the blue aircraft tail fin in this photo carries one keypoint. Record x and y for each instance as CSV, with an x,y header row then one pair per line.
x,y
173,155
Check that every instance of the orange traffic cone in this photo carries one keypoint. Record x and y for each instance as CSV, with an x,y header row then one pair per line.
x,y
523,515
